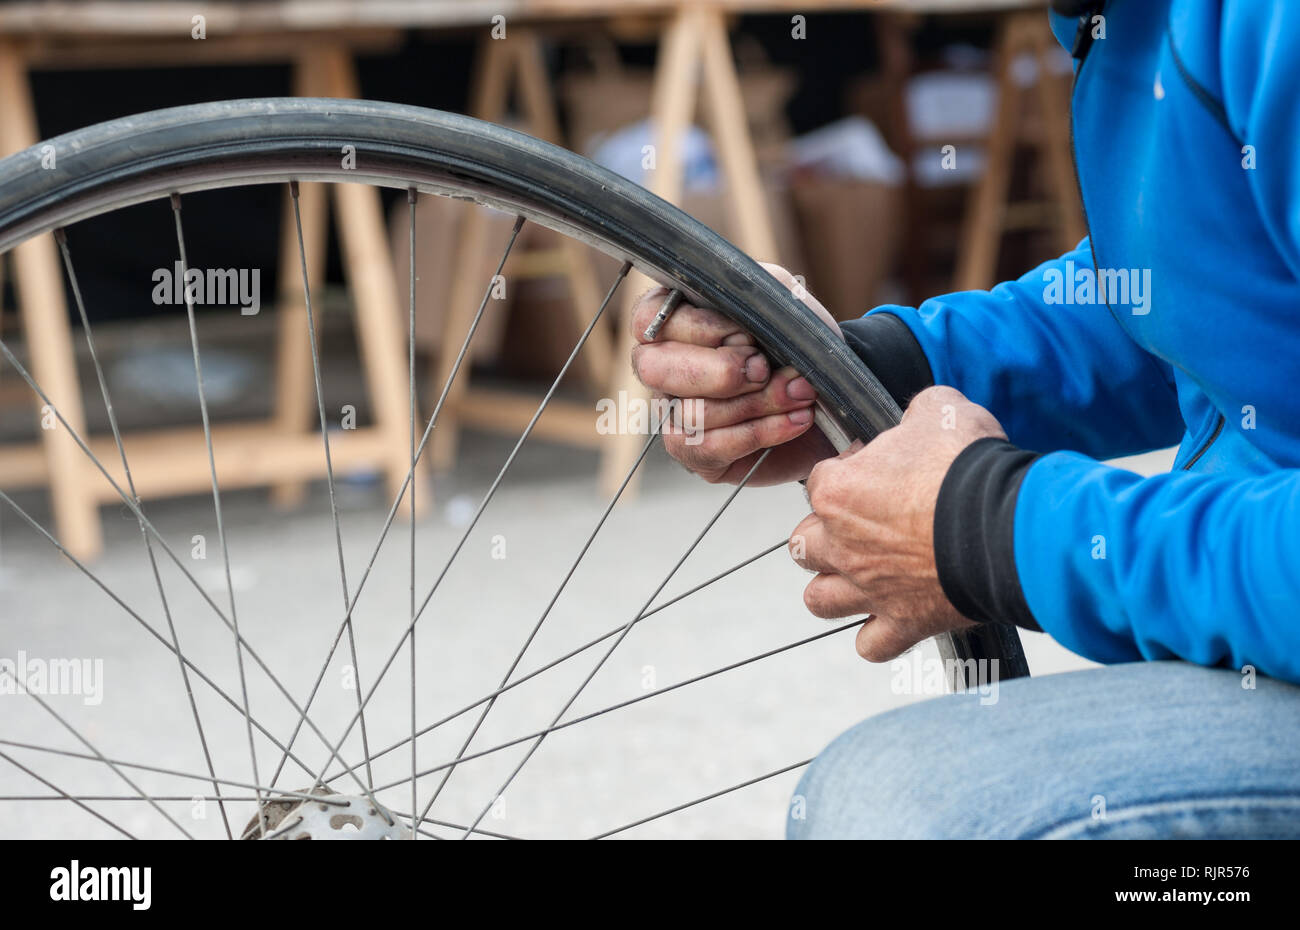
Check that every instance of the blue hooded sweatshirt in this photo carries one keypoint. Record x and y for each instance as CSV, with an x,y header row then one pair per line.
x,y
1176,321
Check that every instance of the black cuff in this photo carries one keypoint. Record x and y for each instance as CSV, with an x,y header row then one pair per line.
x,y
974,528
892,353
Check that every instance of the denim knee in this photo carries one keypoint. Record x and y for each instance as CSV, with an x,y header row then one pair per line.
x,y
884,779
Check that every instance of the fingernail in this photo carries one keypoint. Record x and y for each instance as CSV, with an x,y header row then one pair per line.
x,y
801,417
738,339
800,389
756,369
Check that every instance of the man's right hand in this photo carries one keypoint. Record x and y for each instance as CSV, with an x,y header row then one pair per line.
x,y
733,404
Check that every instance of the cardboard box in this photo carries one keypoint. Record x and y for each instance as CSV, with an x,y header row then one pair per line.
x,y
851,232
438,224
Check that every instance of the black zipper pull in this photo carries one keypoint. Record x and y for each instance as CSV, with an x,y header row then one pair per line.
x,y
1085,10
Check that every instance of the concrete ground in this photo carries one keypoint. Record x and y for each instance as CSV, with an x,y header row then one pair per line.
x,y
593,777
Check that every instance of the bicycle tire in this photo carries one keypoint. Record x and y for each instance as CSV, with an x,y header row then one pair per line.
x,y
152,155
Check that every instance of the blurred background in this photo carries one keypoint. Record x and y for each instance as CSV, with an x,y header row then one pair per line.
x,y
883,151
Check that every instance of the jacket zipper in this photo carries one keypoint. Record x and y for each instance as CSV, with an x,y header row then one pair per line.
x,y
1205,446
1083,45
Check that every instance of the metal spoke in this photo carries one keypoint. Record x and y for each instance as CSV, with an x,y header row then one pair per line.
x,y
410,209
125,797
99,755
329,471
61,238
630,701
216,489
410,477
621,636
415,784
569,655
707,797
496,483
591,538
80,802
175,773
153,531
27,518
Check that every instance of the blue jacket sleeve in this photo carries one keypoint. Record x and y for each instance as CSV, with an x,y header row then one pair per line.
x,y
1118,567
1056,375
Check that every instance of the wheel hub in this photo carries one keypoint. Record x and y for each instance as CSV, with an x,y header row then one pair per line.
x,y
335,817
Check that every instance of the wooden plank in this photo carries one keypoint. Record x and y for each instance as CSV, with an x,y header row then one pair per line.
x,y
542,120
726,106
564,421
66,53
672,109
295,392
174,461
981,235
368,267
989,214
295,408
1054,110
489,95
38,278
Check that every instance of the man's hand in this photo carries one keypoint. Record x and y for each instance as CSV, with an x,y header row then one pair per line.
x,y
870,536
733,405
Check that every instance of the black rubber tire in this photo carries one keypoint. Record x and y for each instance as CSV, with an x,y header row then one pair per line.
x,y
137,158
149,155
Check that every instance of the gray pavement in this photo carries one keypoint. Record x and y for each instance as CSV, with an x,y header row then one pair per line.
x,y
583,780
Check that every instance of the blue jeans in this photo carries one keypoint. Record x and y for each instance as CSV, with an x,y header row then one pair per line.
x,y
1142,751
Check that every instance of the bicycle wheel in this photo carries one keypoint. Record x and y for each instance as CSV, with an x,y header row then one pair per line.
x,y
178,152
